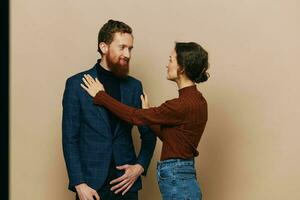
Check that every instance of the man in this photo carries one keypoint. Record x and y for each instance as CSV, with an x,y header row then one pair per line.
x,y
97,146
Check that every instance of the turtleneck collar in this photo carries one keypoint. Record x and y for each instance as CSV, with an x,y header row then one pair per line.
x,y
103,71
187,90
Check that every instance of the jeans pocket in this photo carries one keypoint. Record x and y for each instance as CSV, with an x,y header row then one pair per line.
x,y
165,173
167,183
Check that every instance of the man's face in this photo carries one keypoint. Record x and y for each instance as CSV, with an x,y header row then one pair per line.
x,y
119,53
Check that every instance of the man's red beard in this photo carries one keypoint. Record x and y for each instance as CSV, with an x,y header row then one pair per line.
x,y
119,69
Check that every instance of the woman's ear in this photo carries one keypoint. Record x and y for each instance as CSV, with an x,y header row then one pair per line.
x,y
104,47
181,71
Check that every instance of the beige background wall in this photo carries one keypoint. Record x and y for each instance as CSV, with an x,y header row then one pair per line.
x,y
250,149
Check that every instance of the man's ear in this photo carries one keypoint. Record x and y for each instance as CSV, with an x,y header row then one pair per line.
x,y
104,47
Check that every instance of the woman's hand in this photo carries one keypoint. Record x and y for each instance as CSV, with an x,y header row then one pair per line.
x,y
91,85
145,102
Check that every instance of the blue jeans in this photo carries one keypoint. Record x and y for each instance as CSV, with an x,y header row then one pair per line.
x,y
177,180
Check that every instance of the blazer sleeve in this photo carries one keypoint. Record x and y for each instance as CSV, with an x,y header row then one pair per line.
x,y
70,133
148,139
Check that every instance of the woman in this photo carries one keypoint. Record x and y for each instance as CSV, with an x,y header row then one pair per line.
x,y
179,122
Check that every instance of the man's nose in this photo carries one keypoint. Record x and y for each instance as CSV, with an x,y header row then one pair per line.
x,y
126,53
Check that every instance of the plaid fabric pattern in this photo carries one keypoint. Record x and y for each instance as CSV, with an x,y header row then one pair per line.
x,y
88,143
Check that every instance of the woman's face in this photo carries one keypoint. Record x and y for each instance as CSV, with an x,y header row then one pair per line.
x,y
173,68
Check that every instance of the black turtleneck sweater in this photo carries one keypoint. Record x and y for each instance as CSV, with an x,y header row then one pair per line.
x,y
111,84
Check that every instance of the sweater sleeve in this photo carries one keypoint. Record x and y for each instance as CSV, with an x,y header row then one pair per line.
x,y
157,130
169,113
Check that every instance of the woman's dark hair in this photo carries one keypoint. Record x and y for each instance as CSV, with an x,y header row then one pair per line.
x,y
107,31
193,59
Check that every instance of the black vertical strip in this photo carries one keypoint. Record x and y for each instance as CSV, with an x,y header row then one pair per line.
x,y
4,81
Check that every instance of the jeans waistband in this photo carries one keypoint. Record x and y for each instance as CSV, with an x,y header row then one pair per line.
x,y
176,161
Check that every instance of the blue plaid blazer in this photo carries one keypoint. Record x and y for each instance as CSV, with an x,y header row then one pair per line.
x,y
88,142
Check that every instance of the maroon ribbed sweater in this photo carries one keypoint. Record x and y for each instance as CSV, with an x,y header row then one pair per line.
x,y
179,122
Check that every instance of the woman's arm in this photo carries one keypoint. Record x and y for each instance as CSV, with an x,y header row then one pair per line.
x,y
157,130
169,113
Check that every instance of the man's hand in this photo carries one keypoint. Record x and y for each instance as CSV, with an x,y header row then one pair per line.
x,y
125,182
91,85
86,193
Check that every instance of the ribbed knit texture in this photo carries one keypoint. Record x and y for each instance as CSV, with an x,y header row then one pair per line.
x,y
182,120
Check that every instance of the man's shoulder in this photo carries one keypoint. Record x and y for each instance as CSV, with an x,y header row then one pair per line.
x,y
78,76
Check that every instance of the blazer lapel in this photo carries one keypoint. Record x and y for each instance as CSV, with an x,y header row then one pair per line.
x,y
125,92
125,99
102,112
